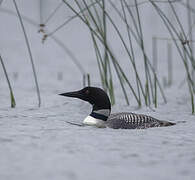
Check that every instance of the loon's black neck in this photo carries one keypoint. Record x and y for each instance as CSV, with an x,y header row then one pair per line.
x,y
101,114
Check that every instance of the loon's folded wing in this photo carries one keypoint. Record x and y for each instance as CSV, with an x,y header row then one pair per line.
x,y
134,121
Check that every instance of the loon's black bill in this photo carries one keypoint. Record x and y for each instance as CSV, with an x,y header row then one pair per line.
x,y
75,94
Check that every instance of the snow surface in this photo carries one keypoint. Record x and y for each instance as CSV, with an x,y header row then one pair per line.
x,y
37,143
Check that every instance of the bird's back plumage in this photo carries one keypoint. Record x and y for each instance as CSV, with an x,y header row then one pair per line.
x,y
127,120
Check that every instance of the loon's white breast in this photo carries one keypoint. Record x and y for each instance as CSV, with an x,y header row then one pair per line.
x,y
91,121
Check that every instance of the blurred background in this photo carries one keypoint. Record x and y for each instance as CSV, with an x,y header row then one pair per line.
x,y
67,55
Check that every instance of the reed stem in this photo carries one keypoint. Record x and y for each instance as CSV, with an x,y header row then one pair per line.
x,y
170,64
13,102
30,53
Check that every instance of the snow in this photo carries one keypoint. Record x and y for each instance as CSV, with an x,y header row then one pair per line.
x,y
37,143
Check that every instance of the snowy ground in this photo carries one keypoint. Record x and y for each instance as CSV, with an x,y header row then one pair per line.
x,y
37,143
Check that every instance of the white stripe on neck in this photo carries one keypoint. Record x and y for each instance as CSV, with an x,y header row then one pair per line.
x,y
105,112
91,121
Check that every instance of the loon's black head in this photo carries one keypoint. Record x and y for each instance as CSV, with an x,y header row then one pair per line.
x,y
95,96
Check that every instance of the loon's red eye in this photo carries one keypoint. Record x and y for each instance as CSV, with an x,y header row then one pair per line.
x,y
87,92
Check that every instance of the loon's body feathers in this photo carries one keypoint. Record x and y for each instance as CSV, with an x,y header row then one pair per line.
x,y
127,120
101,117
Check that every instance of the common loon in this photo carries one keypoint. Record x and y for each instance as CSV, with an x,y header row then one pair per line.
x,y
101,117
